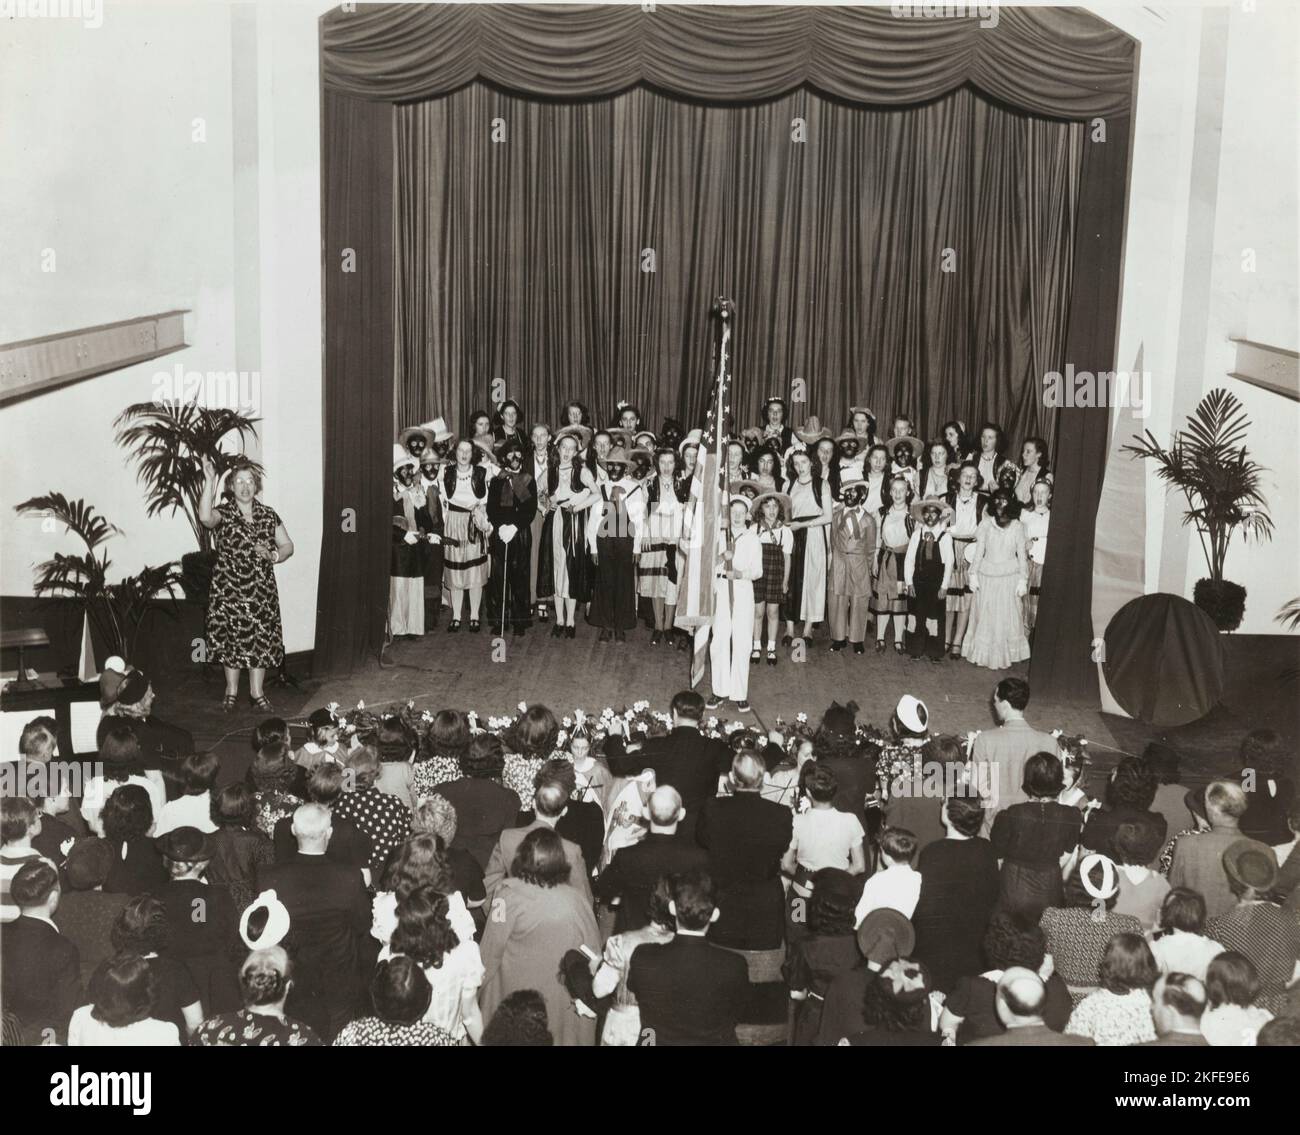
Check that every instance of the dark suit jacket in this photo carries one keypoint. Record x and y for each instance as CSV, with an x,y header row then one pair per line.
x,y
347,845
329,916
204,935
1031,1036
1099,831
683,758
690,992
583,823
746,836
484,809
504,854
41,977
633,872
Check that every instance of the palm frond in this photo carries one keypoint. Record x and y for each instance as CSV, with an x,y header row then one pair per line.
x,y
76,516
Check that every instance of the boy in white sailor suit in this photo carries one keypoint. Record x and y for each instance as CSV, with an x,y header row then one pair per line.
x,y
927,571
733,608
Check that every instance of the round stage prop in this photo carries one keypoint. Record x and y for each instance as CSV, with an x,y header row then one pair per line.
x,y
1164,660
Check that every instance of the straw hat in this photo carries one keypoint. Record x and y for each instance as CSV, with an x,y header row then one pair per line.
x,y
439,429
401,457
849,435
862,410
581,434
622,439
913,443
783,499
616,456
695,438
918,507
405,437
812,432
746,485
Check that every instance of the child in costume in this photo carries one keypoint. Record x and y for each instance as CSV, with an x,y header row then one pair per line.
x,y
928,572
853,552
999,573
413,535
889,599
772,512
1036,521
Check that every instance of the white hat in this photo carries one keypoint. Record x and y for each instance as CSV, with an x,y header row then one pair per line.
x,y
438,428
277,922
401,457
912,714
1109,881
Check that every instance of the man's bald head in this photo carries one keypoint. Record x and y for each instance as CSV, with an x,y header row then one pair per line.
x,y
1021,996
747,772
665,808
311,826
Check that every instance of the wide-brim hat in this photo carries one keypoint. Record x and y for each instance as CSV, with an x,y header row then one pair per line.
x,y
622,438
277,922
755,433
618,455
581,434
911,713
695,438
415,431
1251,864
885,935
854,482
849,435
736,498
862,410
438,428
401,457
641,453
185,845
783,499
744,484
654,440
487,445
812,431
913,443
775,398
918,507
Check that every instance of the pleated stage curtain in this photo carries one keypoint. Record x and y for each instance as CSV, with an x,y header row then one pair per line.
x,y
671,130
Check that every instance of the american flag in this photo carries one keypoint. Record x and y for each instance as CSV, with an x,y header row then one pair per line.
x,y
695,602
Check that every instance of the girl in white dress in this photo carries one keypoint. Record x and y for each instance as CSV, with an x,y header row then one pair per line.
x,y
810,505
465,565
999,574
934,477
1036,521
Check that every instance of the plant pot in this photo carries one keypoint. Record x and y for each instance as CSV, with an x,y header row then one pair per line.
x,y
196,574
1221,599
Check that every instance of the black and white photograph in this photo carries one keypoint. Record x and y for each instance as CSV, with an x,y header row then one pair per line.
x,y
650,525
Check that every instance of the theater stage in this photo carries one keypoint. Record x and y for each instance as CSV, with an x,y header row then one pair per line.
x,y
464,671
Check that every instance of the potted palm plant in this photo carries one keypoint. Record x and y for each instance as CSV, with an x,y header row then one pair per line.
x,y
168,442
115,611
1209,463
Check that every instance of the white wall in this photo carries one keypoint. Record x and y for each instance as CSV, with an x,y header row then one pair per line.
x,y
1219,81
98,162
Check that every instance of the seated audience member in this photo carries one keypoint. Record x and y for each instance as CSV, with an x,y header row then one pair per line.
x,y
20,823
484,806
746,838
1013,940
400,994
919,811
322,744
205,944
609,973
193,808
127,821
1020,1000
142,928
120,1011
86,912
959,890
453,966
1119,1013
897,885
1142,891
442,748
1198,859
435,816
1177,1005
396,743
884,936
851,759
542,916
381,818
684,758
347,845
1268,785
519,1022
550,801
635,870
38,744
1034,839
1076,937
1129,796
119,756
40,970
1261,930
239,849
329,915
1170,800
276,786
690,991
265,979
896,1009
1287,887
828,949
1232,1018
161,744
583,823
1280,1032
823,836
1180,944
422,861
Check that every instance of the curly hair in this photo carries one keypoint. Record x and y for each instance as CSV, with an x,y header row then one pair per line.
x,y
273,768
419,862
1133,785
264,976
883,1010
519,1022
424,927
436,816
834,900
485,758
127,814
393,739
532,734
1127,964
1014,939
658,905
448,736
141,926
122,990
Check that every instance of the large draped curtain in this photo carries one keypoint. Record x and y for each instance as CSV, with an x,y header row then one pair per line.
x,y
670,129
918,260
